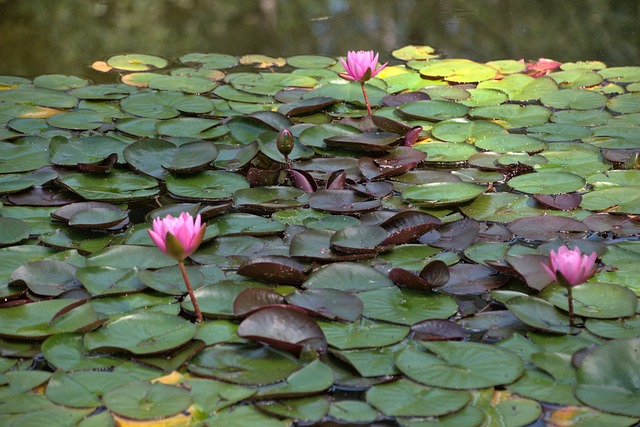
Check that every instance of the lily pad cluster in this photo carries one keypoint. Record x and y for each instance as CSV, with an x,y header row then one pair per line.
x,y
388,270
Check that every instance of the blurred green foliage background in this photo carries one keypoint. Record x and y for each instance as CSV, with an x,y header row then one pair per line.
x,y
65,36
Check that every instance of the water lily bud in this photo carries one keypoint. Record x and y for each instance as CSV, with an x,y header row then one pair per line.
x,y
285,142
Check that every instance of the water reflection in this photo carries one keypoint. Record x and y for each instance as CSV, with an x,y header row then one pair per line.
x,y
64,36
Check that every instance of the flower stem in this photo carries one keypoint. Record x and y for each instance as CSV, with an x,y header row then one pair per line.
x,y
366,99
570,298
191,294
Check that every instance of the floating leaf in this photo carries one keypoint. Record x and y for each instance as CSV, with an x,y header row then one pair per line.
x,y
404,398
442,193
611,366
460,365
136,62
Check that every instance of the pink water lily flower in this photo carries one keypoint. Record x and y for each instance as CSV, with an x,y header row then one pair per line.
x,y
361,66
574,266
177,237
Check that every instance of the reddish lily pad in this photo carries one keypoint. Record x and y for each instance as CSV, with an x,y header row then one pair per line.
x,y
328,303
359,239
368,141
397,162
274,269
547,227
253,299
471,279
285,328
407,225
437,329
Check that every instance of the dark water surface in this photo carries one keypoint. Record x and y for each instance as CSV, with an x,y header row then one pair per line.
x,y
65,36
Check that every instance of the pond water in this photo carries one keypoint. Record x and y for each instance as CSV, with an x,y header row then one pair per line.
x,y
65,36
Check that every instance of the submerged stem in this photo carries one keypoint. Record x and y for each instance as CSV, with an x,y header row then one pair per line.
x,y
191,294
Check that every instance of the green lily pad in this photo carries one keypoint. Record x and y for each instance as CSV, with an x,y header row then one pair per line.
x,y
580,117
91,149
141,333
33,320
465,130
37,412
484,97
12,230
521,87
181,83
311,379
576,78
347,276
442,152
65,351
237,223
611,367
575,158
244,364
13,183
372,362
625,327
116,186
459,71
547,182
211,61
136,62
575,99
613,199
363,334
65,390
142,400
628,103
442,193
22,158
406,306
165,105
243,415
541,386
46,277
232,158
460,365
601,301
60,81
513,116
308,409
77,120
206,185
353,411
191,127
539,314
169,280
405,398
109,280
435,110
414,52
210,396
511,143
40,97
